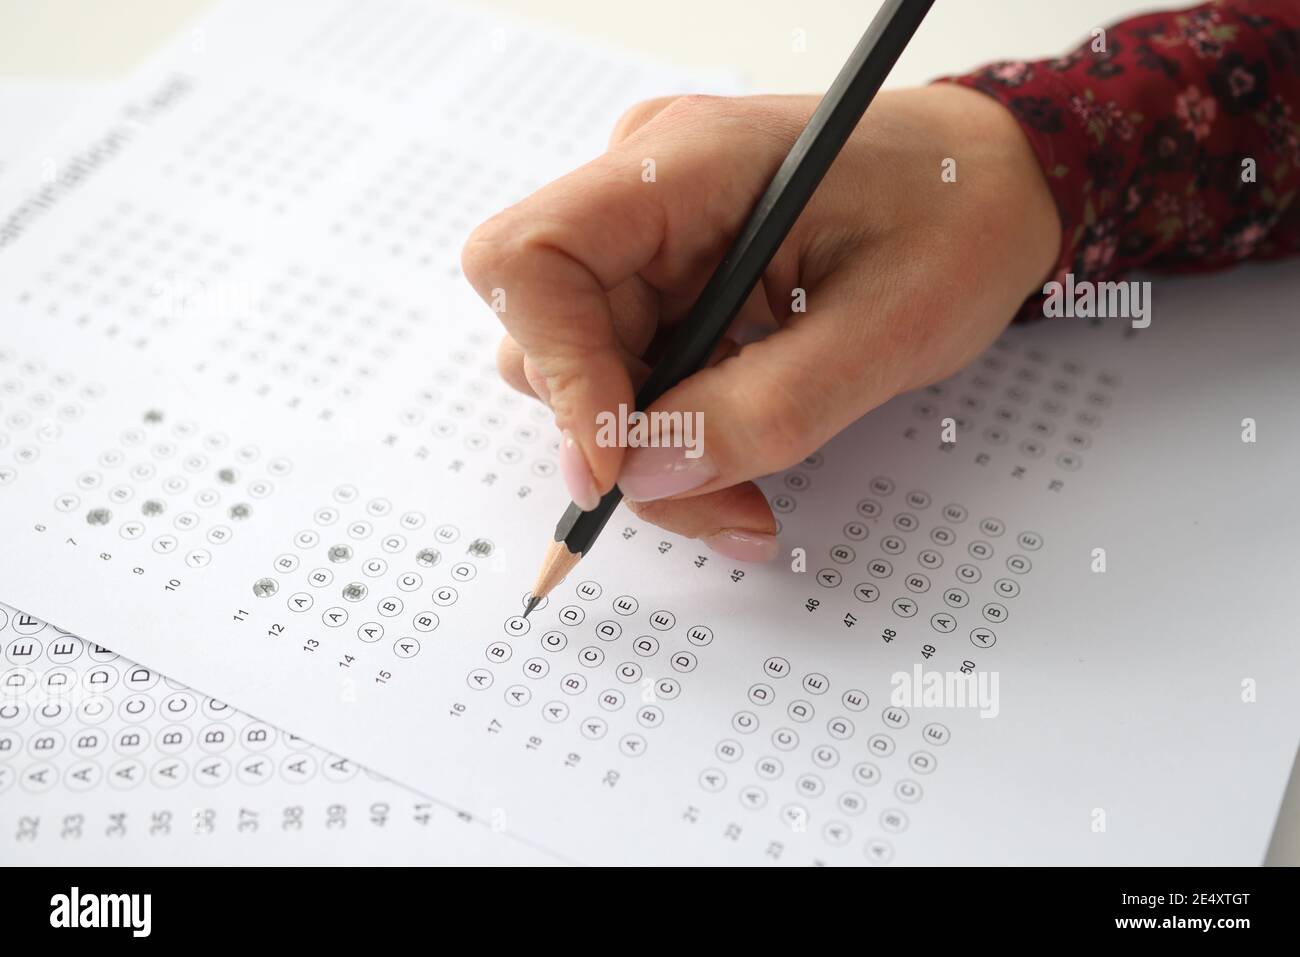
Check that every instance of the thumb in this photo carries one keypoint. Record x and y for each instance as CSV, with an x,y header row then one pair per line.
x,y
775,402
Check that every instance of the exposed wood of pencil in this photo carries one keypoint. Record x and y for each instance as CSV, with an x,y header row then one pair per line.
x,y
559,561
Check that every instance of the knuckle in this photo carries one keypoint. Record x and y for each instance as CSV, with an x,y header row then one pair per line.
x,y
687,110
695,104
506,247
510,359
563,380
486,249
636,116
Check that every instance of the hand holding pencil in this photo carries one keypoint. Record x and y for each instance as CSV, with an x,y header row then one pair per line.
x,y
904,277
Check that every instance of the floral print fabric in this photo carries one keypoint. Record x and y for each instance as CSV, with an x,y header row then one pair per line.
x,y
1170,141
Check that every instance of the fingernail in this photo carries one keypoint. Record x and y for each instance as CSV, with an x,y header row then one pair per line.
x,y
653,473
743,546
577,476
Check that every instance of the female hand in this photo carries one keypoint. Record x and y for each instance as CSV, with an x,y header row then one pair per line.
x,y
905,277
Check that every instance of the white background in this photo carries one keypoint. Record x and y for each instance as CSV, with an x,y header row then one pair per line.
x,y
105,38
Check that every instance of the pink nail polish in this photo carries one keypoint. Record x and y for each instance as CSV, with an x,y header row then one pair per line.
x,y
577,476
654,473
743,546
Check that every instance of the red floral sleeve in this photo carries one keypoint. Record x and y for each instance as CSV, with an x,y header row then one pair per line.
x,y
1171,140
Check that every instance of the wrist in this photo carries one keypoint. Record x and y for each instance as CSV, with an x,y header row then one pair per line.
x,y
1026,198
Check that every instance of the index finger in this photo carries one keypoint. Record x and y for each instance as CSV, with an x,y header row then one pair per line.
x,y
662,204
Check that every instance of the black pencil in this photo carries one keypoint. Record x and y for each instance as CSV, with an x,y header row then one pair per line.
x,y
740,270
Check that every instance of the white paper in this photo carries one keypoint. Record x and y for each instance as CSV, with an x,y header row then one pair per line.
x,y
105,761
260,446
155,772
32,112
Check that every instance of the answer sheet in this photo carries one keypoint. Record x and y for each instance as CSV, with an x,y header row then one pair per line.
x,y
110,762
251,437
32,111
155,772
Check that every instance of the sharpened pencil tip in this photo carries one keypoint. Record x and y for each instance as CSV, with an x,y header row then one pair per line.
x,y
533,602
